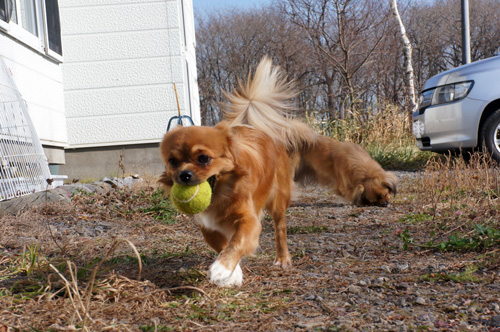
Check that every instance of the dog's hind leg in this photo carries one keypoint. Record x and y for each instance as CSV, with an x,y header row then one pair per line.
x,y
282,255
277,208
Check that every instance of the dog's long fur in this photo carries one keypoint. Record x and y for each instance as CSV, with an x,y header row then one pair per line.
x,y
343,166
346,168
247,160
251,159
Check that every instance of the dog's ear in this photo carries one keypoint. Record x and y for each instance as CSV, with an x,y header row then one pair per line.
x,y
231,147
391,182
358,195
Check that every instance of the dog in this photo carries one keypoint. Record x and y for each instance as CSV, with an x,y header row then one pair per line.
x,y
343,166
346,168
246,160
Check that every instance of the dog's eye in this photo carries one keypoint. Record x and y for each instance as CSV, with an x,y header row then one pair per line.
x,y
204,159
173,162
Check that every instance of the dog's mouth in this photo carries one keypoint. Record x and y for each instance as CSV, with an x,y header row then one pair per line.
x,y
365,202
211,181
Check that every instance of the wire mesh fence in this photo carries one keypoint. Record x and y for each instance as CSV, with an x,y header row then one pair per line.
x,y
23,165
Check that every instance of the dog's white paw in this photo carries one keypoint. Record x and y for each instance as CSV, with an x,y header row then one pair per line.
x,y
223,277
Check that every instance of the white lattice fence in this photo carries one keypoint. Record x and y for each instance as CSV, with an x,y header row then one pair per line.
x,y
23,165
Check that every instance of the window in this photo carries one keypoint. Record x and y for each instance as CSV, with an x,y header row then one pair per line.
x,y
28,16
34,23
7,7
53,26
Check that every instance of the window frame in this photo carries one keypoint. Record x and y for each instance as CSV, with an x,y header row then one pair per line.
x,y
48,51
38,43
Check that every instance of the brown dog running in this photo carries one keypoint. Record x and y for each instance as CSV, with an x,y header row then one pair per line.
x,y
249,167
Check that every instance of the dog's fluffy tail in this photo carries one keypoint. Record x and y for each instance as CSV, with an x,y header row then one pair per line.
x,y
264,102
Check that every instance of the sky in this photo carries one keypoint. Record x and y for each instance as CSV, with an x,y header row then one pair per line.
x,y
201,6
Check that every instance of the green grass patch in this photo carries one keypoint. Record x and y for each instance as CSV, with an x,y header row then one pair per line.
x,y
465,276
306,229
160,207
407,157
484,237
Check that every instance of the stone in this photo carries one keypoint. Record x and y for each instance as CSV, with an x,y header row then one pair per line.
x,y
420,300
495,321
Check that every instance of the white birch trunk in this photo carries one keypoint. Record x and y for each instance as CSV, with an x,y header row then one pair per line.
x,y
407,49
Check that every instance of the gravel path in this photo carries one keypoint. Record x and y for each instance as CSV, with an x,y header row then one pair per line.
x,y
350,272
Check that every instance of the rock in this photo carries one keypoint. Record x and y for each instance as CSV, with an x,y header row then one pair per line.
x,y
386,268
495,307
364,282
101,187
495,321
313,297
18,205
310,323
400,267
401,302
425,318
450,308
379,282
420,300
113,182
354,289
402,286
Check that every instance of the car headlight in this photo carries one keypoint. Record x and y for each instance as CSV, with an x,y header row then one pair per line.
x,y
445,94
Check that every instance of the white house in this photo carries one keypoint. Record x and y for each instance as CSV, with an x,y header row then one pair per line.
x,y
121,60
30,44
99,81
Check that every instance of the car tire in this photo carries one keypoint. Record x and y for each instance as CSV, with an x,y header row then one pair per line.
x,y
490,135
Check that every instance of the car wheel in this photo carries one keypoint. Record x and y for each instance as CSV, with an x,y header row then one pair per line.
x,y
490,135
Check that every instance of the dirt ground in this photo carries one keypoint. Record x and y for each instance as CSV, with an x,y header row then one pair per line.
x,y
351,271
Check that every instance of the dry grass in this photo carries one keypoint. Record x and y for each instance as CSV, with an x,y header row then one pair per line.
x,y
384,134
387,126
77,267
459,203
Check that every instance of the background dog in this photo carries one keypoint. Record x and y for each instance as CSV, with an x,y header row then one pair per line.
x,y
347,168
344,166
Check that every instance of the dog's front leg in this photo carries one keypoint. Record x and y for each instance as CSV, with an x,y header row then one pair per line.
x,y
226,270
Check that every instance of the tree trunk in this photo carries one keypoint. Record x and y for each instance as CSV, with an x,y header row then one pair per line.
x,y
407,49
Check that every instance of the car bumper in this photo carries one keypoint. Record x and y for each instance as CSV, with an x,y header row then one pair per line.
x,y
448,126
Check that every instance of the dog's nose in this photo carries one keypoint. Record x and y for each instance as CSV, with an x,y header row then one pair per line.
x,y
186,176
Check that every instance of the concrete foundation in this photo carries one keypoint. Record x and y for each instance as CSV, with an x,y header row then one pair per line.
x,y
54,154
89,164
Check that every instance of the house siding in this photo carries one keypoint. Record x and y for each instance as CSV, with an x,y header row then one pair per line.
x,y
121,61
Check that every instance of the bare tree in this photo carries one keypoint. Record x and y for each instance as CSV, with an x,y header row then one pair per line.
x,y
345,55
231,43
344,35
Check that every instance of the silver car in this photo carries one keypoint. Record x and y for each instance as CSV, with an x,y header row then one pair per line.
x,y
460,109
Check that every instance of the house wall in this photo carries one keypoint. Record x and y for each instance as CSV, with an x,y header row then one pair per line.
x,y
122,58
39,80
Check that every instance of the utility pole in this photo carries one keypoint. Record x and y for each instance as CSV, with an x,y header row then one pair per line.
x,y
465,33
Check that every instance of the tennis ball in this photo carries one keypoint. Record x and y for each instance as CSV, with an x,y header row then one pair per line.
x,y
191,199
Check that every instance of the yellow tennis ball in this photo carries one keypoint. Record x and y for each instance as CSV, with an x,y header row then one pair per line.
x,y
191,199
